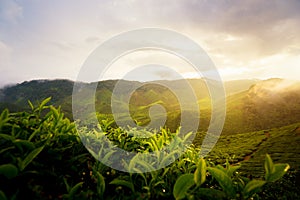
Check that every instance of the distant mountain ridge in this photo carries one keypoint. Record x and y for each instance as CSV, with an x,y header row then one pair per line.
x,y
59,89
251,104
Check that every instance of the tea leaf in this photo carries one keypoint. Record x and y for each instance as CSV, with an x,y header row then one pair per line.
x,y
34,133
24,143
223,179
2,195
182,185
55,112
67,185
252,187
279,171
231,169
220,167
200,173
168,158
209,193
44,102
140,160
8,170
74,190
123,183
30,157
31,105
6,149
4,115
4,118
7,137
269,167
100,184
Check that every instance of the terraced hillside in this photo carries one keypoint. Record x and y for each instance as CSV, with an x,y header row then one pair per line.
x,y
249,149
282,145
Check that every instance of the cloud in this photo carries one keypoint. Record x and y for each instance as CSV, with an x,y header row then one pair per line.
x,y
53,38
266,28
10,11
5,52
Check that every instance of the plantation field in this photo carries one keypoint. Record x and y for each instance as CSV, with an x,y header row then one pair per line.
x,y
249,149
43,157
282,145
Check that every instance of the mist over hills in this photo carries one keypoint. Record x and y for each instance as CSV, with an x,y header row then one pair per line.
x,y
276,102
251,104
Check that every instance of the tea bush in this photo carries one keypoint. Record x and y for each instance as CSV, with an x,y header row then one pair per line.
x,y
42,157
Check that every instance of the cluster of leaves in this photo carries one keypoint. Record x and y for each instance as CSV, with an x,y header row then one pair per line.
x,y
42,157
41,154
230,184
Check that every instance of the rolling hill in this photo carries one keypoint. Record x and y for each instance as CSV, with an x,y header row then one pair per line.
x,y
251,104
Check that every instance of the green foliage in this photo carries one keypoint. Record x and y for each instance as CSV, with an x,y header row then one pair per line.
x,y
42,157
274,171
8,170
28,159
224,180
248,108
2,195
232,187
182,185
252,187
34,147
72,191
200,173
125,183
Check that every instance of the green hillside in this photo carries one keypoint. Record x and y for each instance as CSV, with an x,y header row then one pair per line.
x,y
250,148
252,105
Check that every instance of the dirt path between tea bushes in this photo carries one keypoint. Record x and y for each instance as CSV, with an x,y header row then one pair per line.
x,y
248,156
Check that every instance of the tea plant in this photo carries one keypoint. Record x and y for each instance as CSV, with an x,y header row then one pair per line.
x,y
43,157
229,184
39,149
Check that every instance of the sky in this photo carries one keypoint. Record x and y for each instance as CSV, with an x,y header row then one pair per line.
x,y
249,39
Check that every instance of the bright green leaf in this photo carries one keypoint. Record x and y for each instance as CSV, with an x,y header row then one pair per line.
x,y
33,134
44,102
220,167
170,158
182,185
223,179
252,187
269,166
31,105
55,112
200,173
4,115
232,169
278,172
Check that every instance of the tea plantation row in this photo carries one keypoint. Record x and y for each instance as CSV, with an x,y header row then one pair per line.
x,y
42,157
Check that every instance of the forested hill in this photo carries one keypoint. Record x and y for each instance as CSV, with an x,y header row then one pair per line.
x,y
251,104
265,105
16,97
